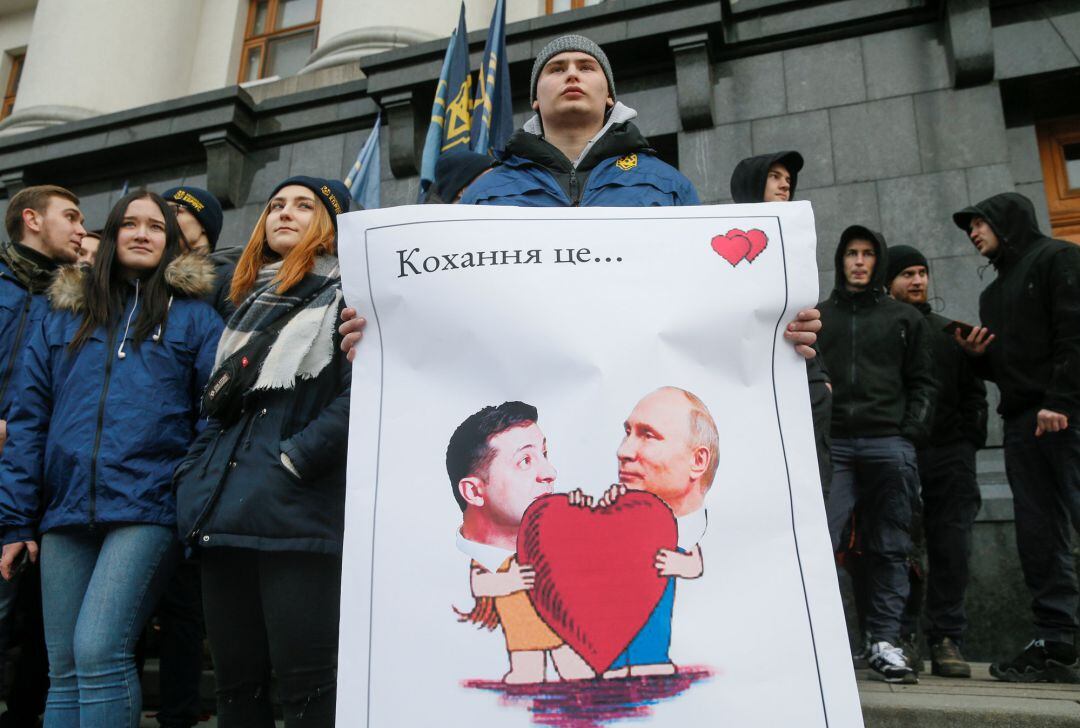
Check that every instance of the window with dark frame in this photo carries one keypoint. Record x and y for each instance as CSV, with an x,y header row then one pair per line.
x,y
12,87
559,6
1059,150
279,37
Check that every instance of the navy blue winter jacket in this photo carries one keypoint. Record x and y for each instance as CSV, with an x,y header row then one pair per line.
x,y
619,170
20,312
94,438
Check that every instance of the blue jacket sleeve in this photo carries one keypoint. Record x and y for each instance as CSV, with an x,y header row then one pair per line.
x,y
22,466
208,334
688,194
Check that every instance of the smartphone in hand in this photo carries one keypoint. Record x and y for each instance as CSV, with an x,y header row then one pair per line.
x,y
953,326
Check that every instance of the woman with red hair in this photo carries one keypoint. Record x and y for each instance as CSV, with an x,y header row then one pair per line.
x,y
262,492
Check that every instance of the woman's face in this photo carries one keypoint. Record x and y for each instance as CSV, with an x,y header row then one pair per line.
x,y
291,211
140,241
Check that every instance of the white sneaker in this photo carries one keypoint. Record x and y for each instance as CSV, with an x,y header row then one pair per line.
x,y
889,662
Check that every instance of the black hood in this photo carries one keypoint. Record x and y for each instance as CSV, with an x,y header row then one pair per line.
x,y
877,278
748,179
619,140
1012,218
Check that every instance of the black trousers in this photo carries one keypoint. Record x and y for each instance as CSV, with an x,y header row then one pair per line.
x,y
181,644
273,611
1044,475
877,480
951,500
26,701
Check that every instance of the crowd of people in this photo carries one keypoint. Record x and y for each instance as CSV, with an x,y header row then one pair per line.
x,y
174,415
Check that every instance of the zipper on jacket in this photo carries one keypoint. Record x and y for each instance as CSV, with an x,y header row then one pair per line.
x,y
854,368
15,348
243,441
193,534
100,425
251,427
575,194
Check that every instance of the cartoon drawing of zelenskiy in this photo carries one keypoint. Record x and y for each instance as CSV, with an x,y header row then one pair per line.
x,y
498,464
670,449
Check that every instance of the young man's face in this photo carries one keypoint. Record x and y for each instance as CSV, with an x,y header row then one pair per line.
x,y
656,454
777,184
572,90
910,284
88,249
60,229
518,474
860,256
983,237
191,230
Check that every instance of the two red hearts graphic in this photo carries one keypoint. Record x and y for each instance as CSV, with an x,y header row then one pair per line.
x,y
596,583
738,245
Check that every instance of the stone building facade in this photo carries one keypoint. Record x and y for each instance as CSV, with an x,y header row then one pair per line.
x,y
905,110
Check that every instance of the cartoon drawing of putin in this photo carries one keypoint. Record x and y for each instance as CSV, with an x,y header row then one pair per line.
x,y
669,449
497,462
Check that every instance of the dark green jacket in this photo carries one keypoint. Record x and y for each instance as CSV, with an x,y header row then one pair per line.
x,y
878,352
1033,309
960,409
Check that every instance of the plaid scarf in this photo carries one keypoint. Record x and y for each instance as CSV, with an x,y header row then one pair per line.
x,y
33,269
305,345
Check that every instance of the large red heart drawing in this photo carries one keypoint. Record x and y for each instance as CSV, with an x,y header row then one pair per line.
x,y
737,245
596,583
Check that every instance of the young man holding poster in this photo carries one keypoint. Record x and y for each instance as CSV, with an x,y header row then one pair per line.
x,y
581,149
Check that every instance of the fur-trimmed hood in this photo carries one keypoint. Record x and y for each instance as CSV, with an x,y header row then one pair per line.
x,y
190,276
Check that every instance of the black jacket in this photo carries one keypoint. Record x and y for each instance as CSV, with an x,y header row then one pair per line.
x,y
1033,308
879,356
233,490
224,260
750,175
960,408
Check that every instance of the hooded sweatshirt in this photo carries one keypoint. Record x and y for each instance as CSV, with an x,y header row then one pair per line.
x,y
617,168
879,355
1033,308
750,175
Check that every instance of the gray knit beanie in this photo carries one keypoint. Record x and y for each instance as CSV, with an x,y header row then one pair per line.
x,y
565,43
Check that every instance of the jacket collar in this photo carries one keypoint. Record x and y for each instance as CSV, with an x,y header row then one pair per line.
x,y
190,275
618,137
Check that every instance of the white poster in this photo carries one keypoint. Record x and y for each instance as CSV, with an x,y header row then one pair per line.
x,y
518,364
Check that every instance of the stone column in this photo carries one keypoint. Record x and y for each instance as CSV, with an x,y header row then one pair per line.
x,y
90,58
349,30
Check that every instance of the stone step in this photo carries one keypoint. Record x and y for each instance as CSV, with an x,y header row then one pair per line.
x,y
978,702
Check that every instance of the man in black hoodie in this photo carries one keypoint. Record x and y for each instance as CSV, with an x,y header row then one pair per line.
x,y
772,178
1032,309
878,352
950,491
582,149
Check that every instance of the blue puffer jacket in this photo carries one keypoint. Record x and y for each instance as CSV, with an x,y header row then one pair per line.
x,y
93,437
20,311
618,170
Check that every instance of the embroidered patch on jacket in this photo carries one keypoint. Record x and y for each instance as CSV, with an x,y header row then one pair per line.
x,y
627,163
